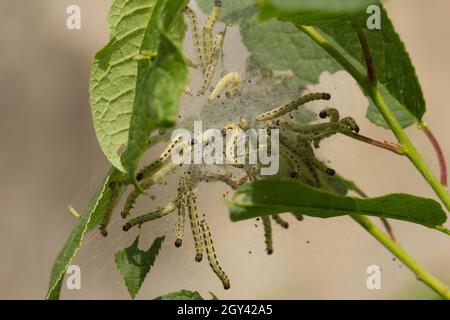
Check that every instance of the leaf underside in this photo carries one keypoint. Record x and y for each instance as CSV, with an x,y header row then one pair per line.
x,y
271,196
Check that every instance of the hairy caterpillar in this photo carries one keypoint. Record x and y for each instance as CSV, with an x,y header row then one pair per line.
x,y
171,206
211,68
293,105
211,254
284,224
267,234
231,82
199,47
208,31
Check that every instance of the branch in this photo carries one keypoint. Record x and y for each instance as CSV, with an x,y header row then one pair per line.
x,y
390,146
371,89
421,274
441,158
371,74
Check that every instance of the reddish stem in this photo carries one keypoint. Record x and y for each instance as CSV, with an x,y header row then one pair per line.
x,y
440,154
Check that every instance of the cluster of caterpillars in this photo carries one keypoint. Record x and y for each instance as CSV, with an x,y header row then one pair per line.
x,y
208,49
296,149
297,143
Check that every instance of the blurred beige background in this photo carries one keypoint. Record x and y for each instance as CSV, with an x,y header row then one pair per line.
x,y
50,158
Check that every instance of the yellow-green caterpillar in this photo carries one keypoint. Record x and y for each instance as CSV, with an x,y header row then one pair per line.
x,y
212,258
277,112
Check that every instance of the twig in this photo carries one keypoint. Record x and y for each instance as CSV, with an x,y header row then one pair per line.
x,y
441,158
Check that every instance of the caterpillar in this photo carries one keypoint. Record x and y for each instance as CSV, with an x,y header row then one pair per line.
x,y
170,207
208,30
291,160
115,192
212,258
129,203
195,226
297,216
231,145
267,234
199,47
331,113
231,81
145,55
280,221
180,223
350,123
182,207
147,170
293,105
211,68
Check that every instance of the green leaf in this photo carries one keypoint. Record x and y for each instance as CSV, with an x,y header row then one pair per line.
x,y
94,215
270,196
159,83
396,75
113,75
232,10
181,295
104,196
274,45
134,264
312,12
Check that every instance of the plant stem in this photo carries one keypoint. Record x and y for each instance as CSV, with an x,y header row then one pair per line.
x,y
393,147
372,91
371,74
421,274
411,151
441,158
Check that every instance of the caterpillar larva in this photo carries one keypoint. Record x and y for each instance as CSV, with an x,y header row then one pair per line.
x,y
277,112
208,31
231,82
198,41
297,216
180,223
350,123
212,258
267,234
231,145
182,207
291,160
115,192
145,55
129,203
211,68
171,206
147,170
332,113
280,221
195,226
